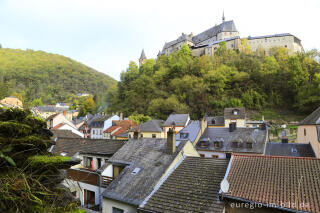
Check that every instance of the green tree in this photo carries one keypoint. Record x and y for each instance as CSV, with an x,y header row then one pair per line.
x,y
29,174
139,118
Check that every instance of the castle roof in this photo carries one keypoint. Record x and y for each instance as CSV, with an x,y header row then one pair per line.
x,y
143,55
227,26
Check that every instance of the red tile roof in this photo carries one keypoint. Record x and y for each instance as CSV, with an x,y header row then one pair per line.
x,y
293,182
110,129
124,126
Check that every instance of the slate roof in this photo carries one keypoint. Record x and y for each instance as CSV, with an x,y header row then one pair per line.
x,y
313,118
276,180
243,135
63,134
178,119
227,26
269,36
228,113
98,122
183,37
192,187
153,125
89,146
148,154
190,132
289,149
215,121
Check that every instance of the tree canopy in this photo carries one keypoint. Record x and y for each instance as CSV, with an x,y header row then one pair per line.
x,y
51,78
28,173
184,84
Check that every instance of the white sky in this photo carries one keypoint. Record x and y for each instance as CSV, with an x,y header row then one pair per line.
x,y
107,34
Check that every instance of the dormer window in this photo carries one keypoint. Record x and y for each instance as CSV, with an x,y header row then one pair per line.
x,y
249,145
202,144
213,121
235,112
236,144
217,144
184,135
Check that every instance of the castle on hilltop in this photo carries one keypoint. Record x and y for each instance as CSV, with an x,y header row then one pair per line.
x,y
208,41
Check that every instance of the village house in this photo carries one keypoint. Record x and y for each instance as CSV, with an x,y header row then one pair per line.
x,y
179,121
12,101
60,122
264,184
192,186
118,128
309,131
97,126
222,142
235,116
149,129
215,121
85,180
142,163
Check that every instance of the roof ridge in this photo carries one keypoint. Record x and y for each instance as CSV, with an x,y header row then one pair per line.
x,y
273,156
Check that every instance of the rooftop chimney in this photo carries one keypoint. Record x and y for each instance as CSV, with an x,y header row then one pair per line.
x,y
231,127
65,113
284,139
203,124
135,134
121,116
171,141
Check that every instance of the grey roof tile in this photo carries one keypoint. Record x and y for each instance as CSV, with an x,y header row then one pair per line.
x,y
255,136
289,149
313,118
190,132
178,119
192,187
148,154
153,125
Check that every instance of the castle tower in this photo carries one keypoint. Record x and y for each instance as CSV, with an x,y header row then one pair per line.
x,y
142,58
223,18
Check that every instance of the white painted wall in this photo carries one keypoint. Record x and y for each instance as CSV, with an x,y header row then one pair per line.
x,y
108,122
68,127
79,187
108,204
96,133
108,171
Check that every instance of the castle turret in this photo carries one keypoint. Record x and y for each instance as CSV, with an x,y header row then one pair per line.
x,y
142,58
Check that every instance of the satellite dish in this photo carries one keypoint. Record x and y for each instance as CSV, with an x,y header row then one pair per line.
x,y
224,185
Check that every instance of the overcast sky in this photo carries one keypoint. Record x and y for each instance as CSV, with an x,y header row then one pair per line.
x,y
107,34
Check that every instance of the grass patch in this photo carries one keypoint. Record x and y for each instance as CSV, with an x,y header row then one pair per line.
x,y
46,159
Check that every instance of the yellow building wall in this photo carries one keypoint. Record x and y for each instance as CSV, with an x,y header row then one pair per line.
x,y
240,122
310,137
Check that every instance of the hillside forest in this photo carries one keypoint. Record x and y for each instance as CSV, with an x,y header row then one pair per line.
x,y
38,78
182,83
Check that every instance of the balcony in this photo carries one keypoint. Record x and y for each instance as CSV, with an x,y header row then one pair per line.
x,y
105,181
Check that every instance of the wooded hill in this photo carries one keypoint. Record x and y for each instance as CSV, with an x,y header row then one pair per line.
x,y
51,77
183,84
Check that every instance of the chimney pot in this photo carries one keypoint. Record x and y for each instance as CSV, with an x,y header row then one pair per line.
x,y
135,135
171,141
231,127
